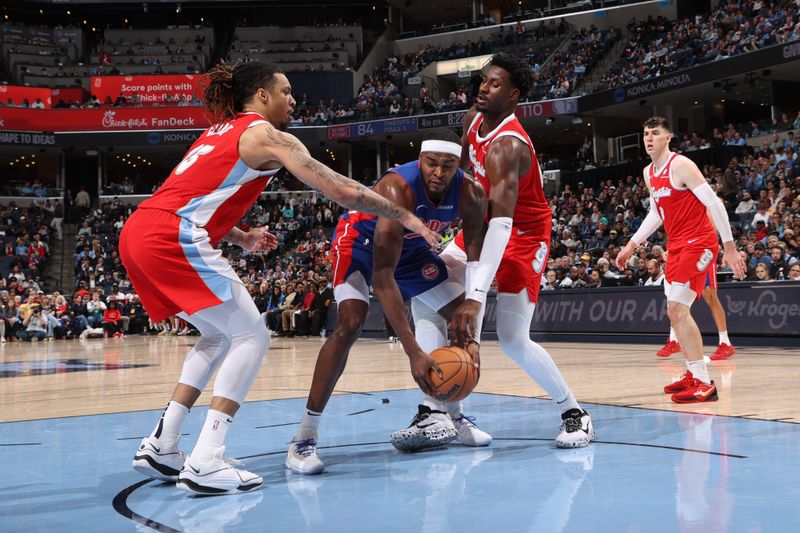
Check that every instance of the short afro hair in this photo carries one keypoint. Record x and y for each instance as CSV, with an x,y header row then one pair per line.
x,y
519,71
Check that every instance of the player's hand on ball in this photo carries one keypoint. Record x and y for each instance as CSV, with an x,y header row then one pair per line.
x,y
464,323
474,349
421,365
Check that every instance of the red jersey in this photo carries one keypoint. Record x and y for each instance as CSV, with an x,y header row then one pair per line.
x,y
532,213
212,187
685,217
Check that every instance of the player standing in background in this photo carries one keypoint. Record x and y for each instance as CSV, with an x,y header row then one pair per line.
x,y
400,266
681,198
166,246
516,244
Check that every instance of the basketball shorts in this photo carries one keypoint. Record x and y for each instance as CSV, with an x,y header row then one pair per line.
x,y
524,262
172,265
418,269
693,267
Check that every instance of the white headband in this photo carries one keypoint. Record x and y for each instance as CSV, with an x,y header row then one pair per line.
x,y
442,147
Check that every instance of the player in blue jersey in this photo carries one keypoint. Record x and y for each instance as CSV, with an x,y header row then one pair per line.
x,y
400,265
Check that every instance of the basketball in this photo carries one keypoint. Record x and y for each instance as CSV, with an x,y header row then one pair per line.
x,y
459,372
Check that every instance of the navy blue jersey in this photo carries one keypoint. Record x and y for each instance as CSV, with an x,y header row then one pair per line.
x,y
418,268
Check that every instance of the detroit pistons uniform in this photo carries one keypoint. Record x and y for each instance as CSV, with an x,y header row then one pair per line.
x,y
167,244
525,256
691,238
418,269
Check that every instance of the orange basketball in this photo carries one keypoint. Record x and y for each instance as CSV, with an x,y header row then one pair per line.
x,y
460,374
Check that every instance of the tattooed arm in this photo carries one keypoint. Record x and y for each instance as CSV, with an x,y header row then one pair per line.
x,y
261,144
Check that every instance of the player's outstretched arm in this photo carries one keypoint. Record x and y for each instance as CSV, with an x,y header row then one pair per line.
x,y
265,143
387,247
507,159
691,177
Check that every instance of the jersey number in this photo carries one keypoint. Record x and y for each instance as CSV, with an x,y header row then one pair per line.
x,y
540,258
704,260
192,156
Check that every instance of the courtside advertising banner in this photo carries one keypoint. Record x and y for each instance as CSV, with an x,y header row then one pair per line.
x,y
150,89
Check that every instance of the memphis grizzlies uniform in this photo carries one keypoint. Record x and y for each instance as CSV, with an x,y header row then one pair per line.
x,y
418,269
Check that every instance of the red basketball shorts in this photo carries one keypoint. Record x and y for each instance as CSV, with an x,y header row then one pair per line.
x,y
694,266
172,265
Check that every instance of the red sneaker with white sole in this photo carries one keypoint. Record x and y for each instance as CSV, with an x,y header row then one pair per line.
x,y
697,392
724,351
668,349
680,384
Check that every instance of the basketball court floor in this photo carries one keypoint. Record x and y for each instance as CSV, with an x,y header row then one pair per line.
x,y
73,413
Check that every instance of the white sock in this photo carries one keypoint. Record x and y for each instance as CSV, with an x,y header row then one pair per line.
x,y
168,428
672,335
455,410
434,404
212,436
723,337
569,403
309,425
699,370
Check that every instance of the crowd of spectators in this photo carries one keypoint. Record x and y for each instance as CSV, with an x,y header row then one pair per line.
x,y
25,239
659,46
388,91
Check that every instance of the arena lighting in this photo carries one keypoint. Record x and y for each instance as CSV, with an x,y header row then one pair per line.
x,y
144,7
178,8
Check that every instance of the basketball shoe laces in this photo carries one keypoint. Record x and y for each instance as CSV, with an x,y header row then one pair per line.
x,y
466,420
305,447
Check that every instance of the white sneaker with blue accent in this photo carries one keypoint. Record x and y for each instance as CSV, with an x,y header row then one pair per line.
x,y
469,434
302,458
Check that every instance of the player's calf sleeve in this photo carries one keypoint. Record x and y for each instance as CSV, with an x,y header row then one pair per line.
x,y
514,313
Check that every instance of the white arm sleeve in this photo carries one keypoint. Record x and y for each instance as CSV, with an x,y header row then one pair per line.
x,y
706,194
479,277
650,223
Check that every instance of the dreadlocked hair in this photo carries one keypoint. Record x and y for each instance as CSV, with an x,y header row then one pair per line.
x,y
227,88
519,71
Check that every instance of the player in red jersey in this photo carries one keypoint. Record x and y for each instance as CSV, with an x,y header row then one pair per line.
x,y
681,198
516,244
167,249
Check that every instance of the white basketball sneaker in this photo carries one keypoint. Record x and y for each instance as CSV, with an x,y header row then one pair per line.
x,y
217,476
428,429
302,457
469,434
576,429
159,460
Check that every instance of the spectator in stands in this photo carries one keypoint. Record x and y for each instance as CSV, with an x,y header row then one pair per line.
x,y
34,326
112,320
655,273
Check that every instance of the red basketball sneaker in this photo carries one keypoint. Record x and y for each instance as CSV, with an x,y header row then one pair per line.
x,y
724,350
680,384
670,348
697,391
